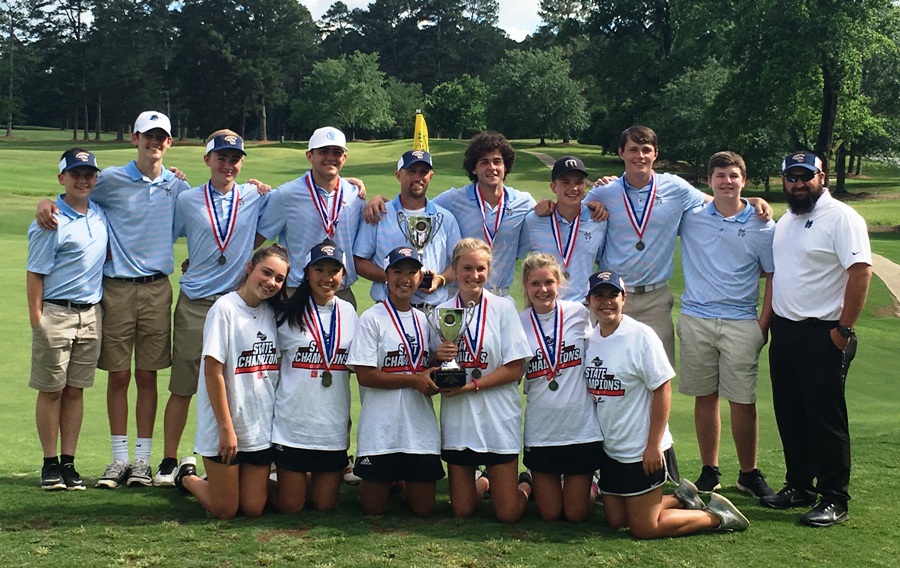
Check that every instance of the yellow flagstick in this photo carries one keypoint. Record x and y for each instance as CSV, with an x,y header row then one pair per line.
x,y
420,137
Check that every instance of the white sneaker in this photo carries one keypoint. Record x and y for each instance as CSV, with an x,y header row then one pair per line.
x,y
165,473
351,478
141,474
115,475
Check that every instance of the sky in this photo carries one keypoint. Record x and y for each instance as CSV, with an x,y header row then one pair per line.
x,y
518,17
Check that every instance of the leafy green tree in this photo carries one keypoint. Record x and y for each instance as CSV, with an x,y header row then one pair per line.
x,y
458,107
405,99
532,94
347,92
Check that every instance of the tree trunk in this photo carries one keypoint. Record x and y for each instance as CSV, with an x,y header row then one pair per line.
x,y
542,142
825,139
86,131
97,131
768,188
858,165
75,126
263,117
120,133
840,168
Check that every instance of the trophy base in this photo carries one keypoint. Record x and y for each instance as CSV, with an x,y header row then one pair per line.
x,y
449,378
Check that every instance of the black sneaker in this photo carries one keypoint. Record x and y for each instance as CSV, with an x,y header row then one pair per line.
x,y
709,479
754,483
51,480
165,473
788,498
71,478
187,466
827,513
525,477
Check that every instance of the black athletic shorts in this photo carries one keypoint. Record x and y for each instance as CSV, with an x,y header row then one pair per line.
x,y
387,468
573,459
473,458
259,457
628,479
301,460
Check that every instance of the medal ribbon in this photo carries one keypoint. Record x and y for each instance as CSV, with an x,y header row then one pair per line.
x,y
222,237
551,351
329,220
414,357
640,225
474,344
326,344
565,251
484,207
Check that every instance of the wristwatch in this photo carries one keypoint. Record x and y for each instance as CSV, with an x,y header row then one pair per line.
x,y
846,332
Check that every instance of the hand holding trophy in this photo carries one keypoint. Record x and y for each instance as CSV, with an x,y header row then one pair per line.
x,y
450,324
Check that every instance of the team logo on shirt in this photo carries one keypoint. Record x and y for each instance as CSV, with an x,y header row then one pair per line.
x,y
658,200
808,224
309,358
600,382
260,359
538,365
466,360
398,361
588,236
742,232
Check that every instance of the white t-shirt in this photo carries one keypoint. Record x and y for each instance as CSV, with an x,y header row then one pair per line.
x,y
621,372
244,340
567,415
491,419
308,414
393,420
812,254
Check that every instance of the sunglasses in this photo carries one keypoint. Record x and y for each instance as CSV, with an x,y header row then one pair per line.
x,y
794,178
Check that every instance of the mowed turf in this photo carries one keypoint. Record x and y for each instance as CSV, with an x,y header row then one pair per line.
x,y
154,527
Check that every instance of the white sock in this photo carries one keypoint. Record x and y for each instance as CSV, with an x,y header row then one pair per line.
x,y
119,447
142,449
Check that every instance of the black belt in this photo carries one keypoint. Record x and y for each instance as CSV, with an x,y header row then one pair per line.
x,y
72,305
142,279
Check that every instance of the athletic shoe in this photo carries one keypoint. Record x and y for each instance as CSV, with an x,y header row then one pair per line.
x,y
482,472
115,475
709,479
165,473
51,480
595,486
687,493
826,514
525,477
351,478
141,474
730,518
754,483
72,478
187,466
788,498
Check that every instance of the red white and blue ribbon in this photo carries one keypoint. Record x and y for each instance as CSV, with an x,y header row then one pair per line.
x,y
565,249
552,349
326,344
484,207
474,342
329,219
640,224
223,236
414,356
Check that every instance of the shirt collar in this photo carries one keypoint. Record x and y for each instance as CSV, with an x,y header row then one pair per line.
x,y
740,217
430,209
137,175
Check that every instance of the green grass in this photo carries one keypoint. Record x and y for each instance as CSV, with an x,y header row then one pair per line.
x,y
150,527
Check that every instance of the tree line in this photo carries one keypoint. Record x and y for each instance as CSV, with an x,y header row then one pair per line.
x,y
761,77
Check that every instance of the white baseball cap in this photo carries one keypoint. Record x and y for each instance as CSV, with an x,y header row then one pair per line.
x,y
150,119
328,136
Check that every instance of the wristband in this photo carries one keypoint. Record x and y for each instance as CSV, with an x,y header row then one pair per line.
x,y
443,280
475,382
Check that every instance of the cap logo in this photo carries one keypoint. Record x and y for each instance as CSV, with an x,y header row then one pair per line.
x,y
329,250
405,251
418,154
571,163
603,276
231,140
330,135
799,157
82,156
154,117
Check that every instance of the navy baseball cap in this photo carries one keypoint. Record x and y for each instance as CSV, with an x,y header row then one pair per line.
x,y
414,157
77,158
326,250
806,160
567,164
400,254
607,277
226,142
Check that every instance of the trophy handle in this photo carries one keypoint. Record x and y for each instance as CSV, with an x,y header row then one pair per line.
x,y
437,221
401,223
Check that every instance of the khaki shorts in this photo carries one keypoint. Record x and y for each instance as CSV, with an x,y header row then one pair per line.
x,y
65,346
187,343
655,309
719,355
137,317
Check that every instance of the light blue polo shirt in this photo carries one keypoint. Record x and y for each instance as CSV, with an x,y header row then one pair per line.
x,y
291,217
205,276
71,256
721,258
139,213
510,242
374,242
654,264
588,248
